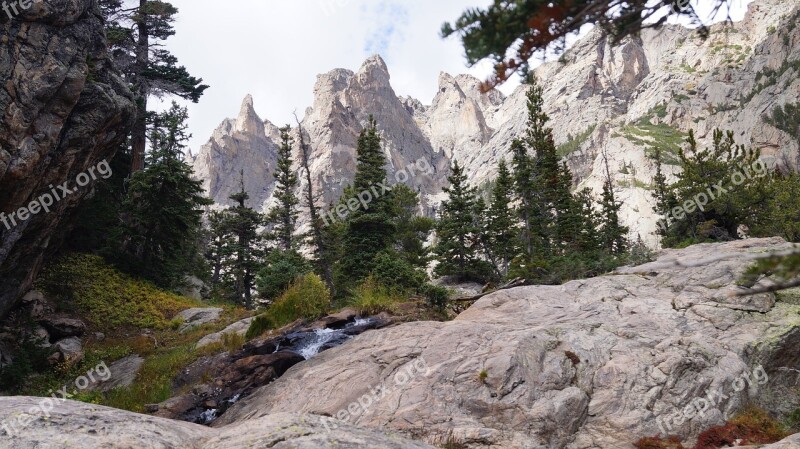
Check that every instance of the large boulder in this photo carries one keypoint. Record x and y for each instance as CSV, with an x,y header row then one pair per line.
x,y
64,109
63,327
197,317
120,374
37,423
659,349
68,350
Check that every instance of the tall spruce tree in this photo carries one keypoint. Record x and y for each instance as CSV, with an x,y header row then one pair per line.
x,y
500,235
369,229
543,186
613,235
412,229
457,231
247,249
664,197
163,207
283,217
136,30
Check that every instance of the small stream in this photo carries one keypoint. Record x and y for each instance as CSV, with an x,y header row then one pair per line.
x,y
309,344
306,344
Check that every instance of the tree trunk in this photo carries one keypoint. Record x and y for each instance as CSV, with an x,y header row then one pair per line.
x,y
139,132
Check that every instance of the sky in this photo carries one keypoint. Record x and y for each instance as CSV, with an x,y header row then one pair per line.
x,y
274,50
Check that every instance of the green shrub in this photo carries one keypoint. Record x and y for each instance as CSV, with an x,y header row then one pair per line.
x,y
394,272
282,268
306,298
28,358
436,295
371,297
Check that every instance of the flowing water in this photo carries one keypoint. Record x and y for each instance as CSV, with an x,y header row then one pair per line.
x,y
306,344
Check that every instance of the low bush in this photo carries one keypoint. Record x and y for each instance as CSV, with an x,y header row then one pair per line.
x,y
306,298
371,297
753,426
108,298
437,296
396,273
282,268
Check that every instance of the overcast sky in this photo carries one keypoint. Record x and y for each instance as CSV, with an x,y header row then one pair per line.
x,y
275,49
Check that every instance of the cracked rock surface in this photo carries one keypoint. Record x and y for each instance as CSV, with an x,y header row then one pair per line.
x,y
74,425
595,363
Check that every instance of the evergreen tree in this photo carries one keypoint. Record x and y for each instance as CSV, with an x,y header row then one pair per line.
x,y
247,249
136,30
457,231
499,238
703,171
524,188
412,229
283,217
163,208
543,186
663,194
588,240
369,229
218,246
613,235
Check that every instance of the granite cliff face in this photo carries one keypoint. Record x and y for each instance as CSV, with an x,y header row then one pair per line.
x,y
64,110
618,99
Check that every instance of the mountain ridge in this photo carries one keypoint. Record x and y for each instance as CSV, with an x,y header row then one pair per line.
x,y
618,100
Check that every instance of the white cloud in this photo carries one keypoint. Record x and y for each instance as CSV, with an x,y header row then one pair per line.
x,y
274,50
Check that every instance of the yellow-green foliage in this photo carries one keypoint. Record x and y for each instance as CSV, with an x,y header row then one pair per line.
x,y
371,298
110,299
306,298
232,341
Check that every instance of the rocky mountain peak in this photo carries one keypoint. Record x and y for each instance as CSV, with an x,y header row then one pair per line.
x,y
618,99
248,120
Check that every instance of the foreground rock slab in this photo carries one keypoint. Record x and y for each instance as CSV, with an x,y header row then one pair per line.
x,y
75,425
595,363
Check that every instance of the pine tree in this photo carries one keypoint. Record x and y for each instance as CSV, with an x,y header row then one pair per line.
x,y
163,208
588,241
247,249
283,217
370,229
457,230
412,229
136,35
663,195
543,186
613,235
702,171
524,188
218,246
499,238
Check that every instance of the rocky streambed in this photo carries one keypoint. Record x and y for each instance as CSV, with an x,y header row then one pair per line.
x,y
235,375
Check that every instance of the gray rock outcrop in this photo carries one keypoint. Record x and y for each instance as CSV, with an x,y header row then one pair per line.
x,y
64,109
77,425
595,363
